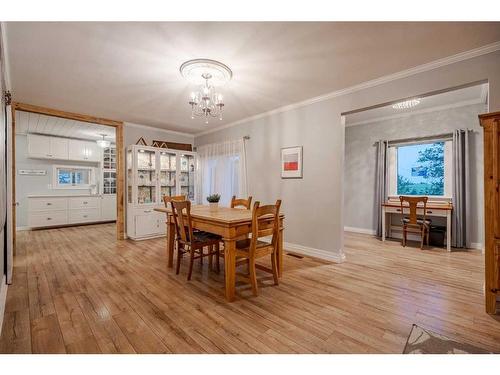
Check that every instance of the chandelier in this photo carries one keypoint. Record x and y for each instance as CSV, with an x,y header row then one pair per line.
x,y
407,104
206,102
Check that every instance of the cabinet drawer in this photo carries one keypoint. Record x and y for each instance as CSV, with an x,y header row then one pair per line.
x,y
47,218
83,202
84,215
46,204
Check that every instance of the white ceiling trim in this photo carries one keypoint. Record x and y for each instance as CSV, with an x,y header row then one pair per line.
x,y
147,127
421,111
484,50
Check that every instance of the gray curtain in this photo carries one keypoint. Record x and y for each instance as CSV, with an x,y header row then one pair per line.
x,y
381,182
460,233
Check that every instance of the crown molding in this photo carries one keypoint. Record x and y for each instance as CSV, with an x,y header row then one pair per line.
x,y
462,56
131,124
464,103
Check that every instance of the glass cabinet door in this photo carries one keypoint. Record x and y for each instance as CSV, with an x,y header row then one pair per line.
x,y
186,179
129,176
168,168
146,176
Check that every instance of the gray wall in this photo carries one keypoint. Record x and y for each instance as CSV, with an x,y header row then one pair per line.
x,y
360,158
314,205
27,185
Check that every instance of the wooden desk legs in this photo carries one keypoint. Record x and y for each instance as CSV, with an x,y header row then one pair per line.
x,y
383,223
170,243
230,268
448,230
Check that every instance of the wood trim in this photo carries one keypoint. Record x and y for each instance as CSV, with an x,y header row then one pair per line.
x,y
120,167
486,116
491,206
68,115
13,176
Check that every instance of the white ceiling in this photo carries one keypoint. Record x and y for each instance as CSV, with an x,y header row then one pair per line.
x,y
27,122
129,71
455,98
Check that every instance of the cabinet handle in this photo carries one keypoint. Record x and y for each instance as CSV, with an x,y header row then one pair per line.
x,y
147,211
398,209
49,218
49,204
49,155
85,202
84,215
429,212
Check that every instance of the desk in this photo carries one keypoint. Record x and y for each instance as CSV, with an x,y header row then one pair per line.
x,y
432,209
230,223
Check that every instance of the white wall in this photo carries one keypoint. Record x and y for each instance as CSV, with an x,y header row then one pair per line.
x,y
360,159
314,205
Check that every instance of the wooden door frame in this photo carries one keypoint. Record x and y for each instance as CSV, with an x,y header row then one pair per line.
x,y
120,168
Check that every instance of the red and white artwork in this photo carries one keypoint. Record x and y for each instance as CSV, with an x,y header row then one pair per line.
x,y
291,162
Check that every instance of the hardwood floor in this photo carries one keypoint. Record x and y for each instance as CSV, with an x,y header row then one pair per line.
x,y
79,290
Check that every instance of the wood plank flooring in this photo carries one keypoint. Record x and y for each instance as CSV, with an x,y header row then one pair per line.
x,y
79,290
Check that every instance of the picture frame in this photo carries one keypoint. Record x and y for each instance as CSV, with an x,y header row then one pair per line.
x,y
291,162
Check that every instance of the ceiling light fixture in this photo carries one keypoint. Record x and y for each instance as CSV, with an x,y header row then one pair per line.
x,y
103,142
406,104
206,102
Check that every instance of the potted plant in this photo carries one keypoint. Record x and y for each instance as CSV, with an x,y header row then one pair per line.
x,y
213,201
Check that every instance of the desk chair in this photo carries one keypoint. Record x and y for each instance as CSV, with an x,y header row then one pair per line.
x,y
413,223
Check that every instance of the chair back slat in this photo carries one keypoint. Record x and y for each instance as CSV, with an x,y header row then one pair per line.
x,y
265,222
181,211
240,202
167,199
413,205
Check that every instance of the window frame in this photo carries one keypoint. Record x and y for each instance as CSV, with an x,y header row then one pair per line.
x,y
392,167
57,185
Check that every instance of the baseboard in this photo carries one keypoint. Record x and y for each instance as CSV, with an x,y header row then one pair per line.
x,y
22,228
3,298
337,257
360,230
477,246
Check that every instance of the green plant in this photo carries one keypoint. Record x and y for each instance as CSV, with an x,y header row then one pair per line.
x,y
213,198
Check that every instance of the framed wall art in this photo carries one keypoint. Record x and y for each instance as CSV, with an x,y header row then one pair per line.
x,y
291,162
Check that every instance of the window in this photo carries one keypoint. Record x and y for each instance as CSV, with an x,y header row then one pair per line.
x,y
73,177
421,169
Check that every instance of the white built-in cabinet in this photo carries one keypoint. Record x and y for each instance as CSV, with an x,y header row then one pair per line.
x,y
152,173
40,146
84,151
47,147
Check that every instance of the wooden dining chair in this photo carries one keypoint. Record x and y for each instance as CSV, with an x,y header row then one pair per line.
x,y
240,202
167,199
192,242
265,222
415,223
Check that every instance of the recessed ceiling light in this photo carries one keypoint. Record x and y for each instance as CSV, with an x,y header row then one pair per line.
x,y
406,104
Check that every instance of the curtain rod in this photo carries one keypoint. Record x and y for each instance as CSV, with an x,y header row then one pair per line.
x,y
428,137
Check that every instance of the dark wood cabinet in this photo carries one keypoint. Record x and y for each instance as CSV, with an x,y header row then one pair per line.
x,y
491,135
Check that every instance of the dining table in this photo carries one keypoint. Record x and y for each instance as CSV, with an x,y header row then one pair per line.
x,y
229,223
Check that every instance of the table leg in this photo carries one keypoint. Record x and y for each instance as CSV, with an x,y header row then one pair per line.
x,y
448,230
170,243
383,223
230,268
280,253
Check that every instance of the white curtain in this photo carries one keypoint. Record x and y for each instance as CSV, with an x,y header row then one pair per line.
x,y
221,170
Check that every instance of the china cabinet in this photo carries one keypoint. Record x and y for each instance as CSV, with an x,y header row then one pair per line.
x,y
152,173
108,204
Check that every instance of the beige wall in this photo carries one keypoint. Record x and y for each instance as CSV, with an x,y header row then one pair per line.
x,y
314,205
